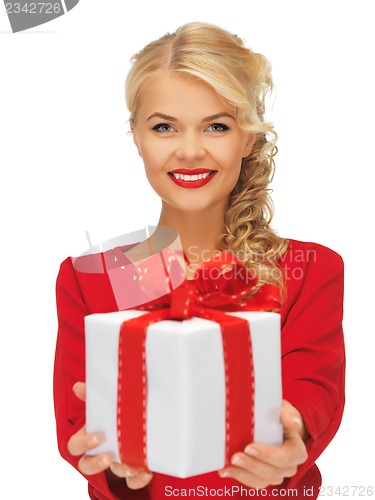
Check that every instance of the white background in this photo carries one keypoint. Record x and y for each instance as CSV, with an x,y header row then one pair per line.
x,y
68,165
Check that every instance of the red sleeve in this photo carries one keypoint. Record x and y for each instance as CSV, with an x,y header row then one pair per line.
x,y
313,356
70,366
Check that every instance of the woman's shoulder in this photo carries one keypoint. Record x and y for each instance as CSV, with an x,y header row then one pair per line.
x,y
66,270
311,271
309,252
88,281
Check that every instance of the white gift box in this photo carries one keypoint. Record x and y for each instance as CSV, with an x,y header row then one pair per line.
x,y
185,413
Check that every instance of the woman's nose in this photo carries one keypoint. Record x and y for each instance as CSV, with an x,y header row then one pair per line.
x,y
190,147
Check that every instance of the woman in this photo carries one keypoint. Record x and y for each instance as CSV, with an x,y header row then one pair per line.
x,y
196,99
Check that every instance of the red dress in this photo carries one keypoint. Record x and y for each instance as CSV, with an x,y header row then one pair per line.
x,y
313,368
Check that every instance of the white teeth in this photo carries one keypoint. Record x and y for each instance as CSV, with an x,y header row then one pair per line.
x,y
191,177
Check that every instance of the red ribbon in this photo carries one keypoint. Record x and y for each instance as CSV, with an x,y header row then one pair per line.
x,y
220,285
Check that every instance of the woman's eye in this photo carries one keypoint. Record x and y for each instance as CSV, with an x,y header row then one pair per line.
x,y
162,127
218,127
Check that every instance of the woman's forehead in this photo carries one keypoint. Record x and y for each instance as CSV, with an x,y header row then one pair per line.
x,y
174,94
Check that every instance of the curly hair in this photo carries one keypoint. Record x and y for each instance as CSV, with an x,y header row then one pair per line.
x,y
243,79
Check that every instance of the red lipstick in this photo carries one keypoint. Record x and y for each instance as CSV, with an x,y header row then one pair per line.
x,y
187,178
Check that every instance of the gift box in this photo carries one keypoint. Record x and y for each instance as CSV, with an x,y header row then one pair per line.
x,y
180,396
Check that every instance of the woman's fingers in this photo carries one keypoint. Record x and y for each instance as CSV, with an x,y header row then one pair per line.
x,y
81,442
291,453
79,389
292,422
248,478
135,478
262,465
263,469
139,481
95,464
125,471
122,470
254,472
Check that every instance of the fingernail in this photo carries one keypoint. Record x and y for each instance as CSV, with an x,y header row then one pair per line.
x,y
223,473
146,476
297,420
92,441
104,462
236,460
251,451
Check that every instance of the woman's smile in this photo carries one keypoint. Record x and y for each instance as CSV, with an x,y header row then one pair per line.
x,y
192,178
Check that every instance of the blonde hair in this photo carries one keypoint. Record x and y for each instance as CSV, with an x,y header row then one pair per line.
x,y
243,79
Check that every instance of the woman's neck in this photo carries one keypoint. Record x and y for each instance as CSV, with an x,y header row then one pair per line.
x,y
199,231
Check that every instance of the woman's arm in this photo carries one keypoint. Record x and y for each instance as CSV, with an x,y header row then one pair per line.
x,y
313,353
70,368
313,364
69,396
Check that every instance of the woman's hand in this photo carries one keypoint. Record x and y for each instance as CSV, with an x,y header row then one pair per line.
x,y
261,465
81,442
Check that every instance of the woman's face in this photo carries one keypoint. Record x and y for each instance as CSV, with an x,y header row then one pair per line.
x,y
190,143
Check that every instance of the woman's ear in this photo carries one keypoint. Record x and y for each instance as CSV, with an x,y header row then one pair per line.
x,y
131,123
249,144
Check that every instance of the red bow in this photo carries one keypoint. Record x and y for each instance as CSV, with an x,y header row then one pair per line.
x,y
223,283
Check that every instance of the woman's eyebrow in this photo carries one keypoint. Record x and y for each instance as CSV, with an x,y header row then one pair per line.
x,y
164,117
207,119
218,115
